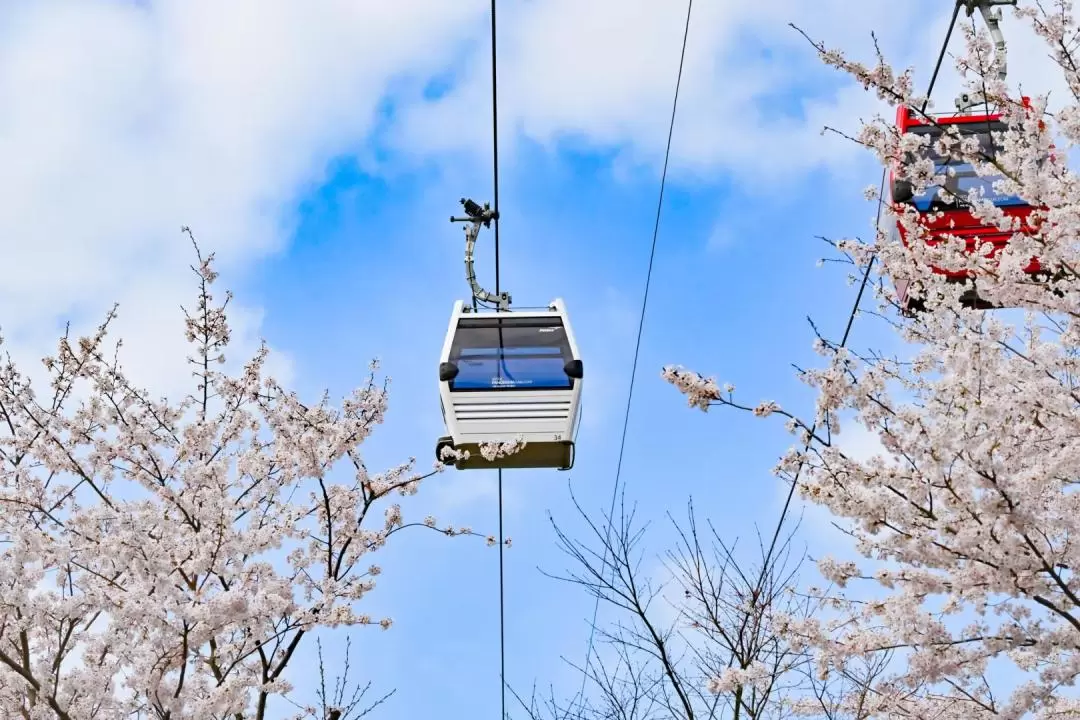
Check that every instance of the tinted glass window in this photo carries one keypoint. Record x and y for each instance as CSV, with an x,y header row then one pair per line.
x,y
510,353
963,178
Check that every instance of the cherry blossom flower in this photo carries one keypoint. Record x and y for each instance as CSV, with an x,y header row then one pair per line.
x,y
967,518
165,558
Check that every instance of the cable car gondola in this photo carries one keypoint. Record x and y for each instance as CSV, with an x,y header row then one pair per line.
x,y
951,216
507,376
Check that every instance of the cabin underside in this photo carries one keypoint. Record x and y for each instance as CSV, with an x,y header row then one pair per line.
x,y
970,298
557,455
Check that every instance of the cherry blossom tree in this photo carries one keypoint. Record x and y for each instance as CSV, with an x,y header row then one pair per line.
x,y
967,520
166,559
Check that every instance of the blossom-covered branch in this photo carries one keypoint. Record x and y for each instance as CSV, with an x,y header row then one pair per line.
x,y
166,559
966,514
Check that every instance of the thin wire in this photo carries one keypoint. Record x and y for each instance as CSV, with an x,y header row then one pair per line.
x,y
495,207
637,343
813,428
941,55
854,307
502,605
847,334
495,142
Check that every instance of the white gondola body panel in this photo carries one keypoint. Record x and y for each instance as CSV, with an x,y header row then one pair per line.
x,y
508,375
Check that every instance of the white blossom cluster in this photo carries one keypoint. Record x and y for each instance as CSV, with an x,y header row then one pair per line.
x,y
165,560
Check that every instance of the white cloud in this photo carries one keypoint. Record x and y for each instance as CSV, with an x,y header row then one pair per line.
x,y
860,444
611,323
602,73
754,98
122,121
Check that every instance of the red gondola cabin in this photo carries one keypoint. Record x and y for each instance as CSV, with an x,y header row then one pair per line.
x,y
956,217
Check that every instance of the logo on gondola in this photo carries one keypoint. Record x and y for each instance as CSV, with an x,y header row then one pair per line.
x,y
507,382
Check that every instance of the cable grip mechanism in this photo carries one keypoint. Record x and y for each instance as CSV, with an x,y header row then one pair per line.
x,y
991,15
475,218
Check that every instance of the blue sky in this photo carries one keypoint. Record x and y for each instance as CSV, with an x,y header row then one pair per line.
x,y
320,152
373,270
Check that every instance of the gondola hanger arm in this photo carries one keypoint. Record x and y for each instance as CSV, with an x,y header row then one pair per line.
x,y
991,15
475,218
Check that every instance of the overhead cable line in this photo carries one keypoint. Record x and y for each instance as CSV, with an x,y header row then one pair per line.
x,y
858,301
495,208
843,342
637,344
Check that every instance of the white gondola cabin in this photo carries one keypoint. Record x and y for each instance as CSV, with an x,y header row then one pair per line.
x,y
506,375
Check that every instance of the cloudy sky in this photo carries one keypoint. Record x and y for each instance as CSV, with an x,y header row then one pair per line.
x,y
319,146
